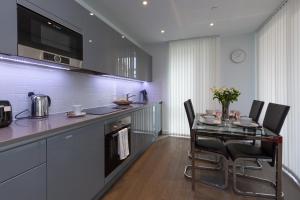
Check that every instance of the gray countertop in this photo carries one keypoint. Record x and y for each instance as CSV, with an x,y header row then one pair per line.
x,y
28,130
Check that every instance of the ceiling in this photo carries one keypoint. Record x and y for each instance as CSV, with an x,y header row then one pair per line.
x,y
182,18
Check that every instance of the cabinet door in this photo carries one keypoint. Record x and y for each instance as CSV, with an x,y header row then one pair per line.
x,y
8,31
67,10
144,65
30,185
75,164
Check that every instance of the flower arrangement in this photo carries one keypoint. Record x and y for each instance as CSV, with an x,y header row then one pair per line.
x,y
225,96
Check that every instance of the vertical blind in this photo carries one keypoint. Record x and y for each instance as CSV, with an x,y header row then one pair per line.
x,y
278,72
192,69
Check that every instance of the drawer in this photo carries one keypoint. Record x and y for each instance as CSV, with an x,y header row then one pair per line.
x,y
30,185
20,159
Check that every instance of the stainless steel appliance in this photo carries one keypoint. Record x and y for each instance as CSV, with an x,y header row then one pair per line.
x,y
5,113
144,96
112,159
40,104
44,39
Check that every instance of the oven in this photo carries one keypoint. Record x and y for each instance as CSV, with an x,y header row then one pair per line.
x,y
112,128
44,39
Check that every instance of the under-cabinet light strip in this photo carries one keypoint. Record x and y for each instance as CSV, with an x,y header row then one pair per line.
x,y
29,62
122,78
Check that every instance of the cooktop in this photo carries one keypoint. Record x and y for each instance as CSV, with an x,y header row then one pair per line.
x,y
105,110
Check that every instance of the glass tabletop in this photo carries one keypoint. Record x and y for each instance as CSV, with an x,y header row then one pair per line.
x,y
228,129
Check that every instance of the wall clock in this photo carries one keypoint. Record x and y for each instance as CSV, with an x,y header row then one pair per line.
x,y
238,56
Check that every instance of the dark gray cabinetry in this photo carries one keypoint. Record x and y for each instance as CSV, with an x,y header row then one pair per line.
x,y
75,163
8,30
23,172
144,65
30,185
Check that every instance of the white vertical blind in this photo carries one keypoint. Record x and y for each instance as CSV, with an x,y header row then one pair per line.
x,y
192,69
278,61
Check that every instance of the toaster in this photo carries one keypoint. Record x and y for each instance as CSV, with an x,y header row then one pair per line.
x,y
5,113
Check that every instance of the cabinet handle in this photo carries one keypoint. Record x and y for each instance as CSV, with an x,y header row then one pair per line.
x,y
68,137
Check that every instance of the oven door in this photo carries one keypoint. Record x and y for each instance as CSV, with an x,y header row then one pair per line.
x,y
37,33
112,158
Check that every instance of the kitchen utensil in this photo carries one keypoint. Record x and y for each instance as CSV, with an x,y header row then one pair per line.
x,y
40,104
5,113
122,102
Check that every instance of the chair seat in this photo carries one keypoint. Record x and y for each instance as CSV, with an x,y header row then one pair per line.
x,y
211,145
246,151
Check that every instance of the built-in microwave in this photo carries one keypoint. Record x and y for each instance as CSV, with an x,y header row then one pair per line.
x,y
44,39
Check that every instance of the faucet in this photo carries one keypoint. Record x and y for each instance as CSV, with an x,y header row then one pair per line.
x,y
127,96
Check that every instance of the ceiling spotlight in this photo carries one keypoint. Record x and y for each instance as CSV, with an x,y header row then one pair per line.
x,y
211,24
162,31
49,23
90,41
145,3
91,14
123,36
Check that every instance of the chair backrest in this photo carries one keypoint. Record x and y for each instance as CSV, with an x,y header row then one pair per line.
x,y
256,109
274,119
189,110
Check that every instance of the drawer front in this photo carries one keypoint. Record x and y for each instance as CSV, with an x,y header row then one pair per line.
x,y
30,185
20,159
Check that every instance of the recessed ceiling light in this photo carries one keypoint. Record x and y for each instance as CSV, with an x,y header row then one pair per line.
x,y
91,14
90,41
145,3
123,36
162,31
49,23
211,24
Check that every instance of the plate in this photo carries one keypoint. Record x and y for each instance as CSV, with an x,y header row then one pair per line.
x,y
252,125
72,114
214,122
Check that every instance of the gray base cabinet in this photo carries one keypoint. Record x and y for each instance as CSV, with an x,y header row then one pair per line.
x,y
30,185
75,164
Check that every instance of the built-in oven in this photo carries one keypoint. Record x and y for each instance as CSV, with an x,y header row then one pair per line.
x,y
112,128
44,39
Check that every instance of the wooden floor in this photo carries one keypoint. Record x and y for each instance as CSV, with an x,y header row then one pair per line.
x,y
158,175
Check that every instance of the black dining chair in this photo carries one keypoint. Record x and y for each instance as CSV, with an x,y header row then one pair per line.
x,y
215,160
273,121
211,146
255,110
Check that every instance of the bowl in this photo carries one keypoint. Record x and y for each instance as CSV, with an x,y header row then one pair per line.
x,y
245,120
209,118
122,102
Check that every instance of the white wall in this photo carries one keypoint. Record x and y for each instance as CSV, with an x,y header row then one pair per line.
x,y
241,76
64,87
230,74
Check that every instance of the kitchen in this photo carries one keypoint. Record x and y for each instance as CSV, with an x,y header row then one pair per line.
x,y
92,98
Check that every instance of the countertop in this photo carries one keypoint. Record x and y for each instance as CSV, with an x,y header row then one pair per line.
x,y
29,130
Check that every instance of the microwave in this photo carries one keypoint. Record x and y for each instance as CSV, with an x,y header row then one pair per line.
x,y
44,39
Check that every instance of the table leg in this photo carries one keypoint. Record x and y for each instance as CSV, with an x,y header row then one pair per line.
x,y
279,171
193,160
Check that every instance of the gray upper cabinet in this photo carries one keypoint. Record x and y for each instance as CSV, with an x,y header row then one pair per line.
x,y
75,163
8,31
144,65
67,10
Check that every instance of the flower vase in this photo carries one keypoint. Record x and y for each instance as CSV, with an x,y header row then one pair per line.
x,y
225,111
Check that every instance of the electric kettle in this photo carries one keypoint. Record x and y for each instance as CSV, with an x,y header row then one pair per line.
x,y
40,104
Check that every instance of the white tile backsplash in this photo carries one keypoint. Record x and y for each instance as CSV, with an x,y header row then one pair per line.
x,y
64,87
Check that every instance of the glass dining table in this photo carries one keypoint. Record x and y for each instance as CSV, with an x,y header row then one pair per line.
x,y
229,131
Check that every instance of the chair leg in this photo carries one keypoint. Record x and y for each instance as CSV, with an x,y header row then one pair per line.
x,y
224,167
255,194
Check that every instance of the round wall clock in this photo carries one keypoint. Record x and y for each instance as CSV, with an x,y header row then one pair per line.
x,y
238,56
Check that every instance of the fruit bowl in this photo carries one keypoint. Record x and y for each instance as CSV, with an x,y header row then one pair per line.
x,y
122,102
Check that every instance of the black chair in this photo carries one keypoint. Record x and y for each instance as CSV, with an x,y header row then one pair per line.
x,y
211,146
215,160
273,121
255,110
